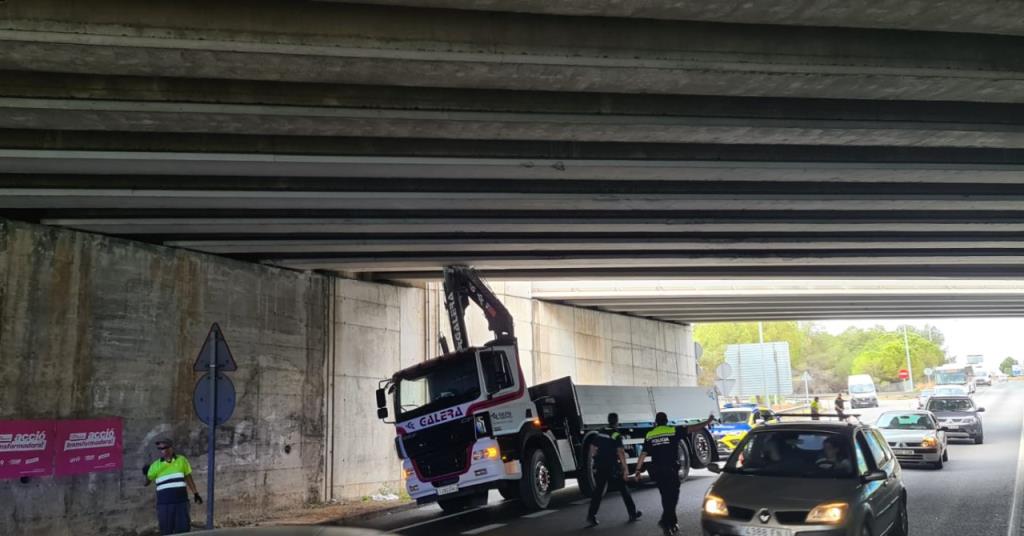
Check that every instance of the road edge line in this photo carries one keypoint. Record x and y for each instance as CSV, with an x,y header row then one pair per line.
x,y
1018,483
436,519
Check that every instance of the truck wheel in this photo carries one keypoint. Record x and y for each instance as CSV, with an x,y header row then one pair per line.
x,y
509,490
585,477
535,486
702,449
684,461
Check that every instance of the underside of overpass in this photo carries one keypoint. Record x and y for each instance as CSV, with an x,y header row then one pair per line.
x,y
535,140
696,301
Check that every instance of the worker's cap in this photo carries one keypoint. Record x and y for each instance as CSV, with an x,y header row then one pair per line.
x,y
164,442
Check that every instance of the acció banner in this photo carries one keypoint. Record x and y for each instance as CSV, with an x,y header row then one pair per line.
x,y
89,446
27,448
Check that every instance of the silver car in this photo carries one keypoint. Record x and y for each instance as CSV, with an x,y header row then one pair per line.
x,y
915,437
813,477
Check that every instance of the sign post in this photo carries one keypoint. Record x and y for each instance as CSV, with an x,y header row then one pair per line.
x,y
213,400
807,388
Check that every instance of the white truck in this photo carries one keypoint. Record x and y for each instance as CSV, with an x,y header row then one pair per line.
x,y
467,423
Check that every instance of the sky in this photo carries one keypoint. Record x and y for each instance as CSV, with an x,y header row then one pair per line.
x,y
994,338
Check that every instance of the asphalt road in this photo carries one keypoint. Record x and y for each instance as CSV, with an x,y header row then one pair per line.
x,y
973,494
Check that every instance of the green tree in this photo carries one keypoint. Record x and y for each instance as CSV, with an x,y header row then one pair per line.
x,y
884,355
1007,365
716,337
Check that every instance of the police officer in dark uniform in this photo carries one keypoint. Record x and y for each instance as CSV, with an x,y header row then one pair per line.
x,y
662,445
609,457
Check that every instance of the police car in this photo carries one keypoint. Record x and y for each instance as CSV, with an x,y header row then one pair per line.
x,y
734,423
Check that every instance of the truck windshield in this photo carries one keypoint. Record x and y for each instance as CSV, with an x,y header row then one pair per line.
x,y
862,388
950,377
446,382
802,454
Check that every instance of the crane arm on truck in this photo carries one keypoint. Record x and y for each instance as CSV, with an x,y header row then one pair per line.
x,y
462,284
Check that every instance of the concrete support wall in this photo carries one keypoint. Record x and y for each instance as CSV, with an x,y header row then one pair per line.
x,y
95,327
378,330
593,347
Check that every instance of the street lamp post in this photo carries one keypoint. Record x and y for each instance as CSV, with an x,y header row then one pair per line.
x,y
906,347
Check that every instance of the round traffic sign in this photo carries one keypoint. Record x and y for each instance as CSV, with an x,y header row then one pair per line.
x,y
225,398
723,371
928,372
904,374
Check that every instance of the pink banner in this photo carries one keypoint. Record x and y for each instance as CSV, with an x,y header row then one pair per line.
x,y
89,446
26,448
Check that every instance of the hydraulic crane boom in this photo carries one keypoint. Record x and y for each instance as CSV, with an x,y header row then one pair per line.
x,y
462,284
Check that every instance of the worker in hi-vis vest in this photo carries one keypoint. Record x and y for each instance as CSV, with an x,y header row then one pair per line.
x,y
172,473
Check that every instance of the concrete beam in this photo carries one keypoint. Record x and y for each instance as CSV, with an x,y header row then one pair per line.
x,y
983,16
266,247
140,116
171,199
324,43
685,166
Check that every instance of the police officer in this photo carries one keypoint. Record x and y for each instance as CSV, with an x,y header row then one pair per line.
x,y
840,407
662,445
609,457
172,473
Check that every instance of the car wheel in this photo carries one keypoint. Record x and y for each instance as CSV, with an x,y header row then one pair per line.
x,y
979,439
902,526
945,455
702,449
586,478
684,461
535,485
938,464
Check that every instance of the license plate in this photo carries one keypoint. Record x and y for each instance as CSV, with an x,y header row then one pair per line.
x,y
952,427
903,452
766,531
447,490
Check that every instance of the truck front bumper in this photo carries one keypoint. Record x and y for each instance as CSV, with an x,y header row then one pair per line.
x,y
482,474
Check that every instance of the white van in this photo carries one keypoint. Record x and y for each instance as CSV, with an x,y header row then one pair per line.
x,y
862,391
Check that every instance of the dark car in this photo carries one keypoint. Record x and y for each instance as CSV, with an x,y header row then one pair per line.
x,y
813,477
959,417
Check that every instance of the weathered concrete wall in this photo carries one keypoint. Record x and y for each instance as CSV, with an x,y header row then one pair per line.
x,y
592,347
92,326
378,330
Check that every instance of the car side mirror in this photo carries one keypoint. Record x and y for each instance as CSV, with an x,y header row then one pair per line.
x,y
382,413
874,476
382,398
981,410
714,468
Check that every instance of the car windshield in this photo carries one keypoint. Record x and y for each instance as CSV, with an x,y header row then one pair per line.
x,y
734,417
800,454
447,382
950,404
862,388
905,421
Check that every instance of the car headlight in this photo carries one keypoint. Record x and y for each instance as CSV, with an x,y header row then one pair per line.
x,y
829,513
929,442
715,506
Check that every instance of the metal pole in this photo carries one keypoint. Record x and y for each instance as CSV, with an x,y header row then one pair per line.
x,y
807,389
906,346
764,373
212,444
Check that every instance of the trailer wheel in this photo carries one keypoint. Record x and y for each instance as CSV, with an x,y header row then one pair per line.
x,y
684,461
535,486
585,476
702,449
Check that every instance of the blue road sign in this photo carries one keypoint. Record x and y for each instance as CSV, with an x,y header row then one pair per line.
x,y
225,399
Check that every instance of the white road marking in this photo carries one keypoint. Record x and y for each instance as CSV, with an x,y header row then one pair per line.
x,y
1014,528
436,519
484,528
540,513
